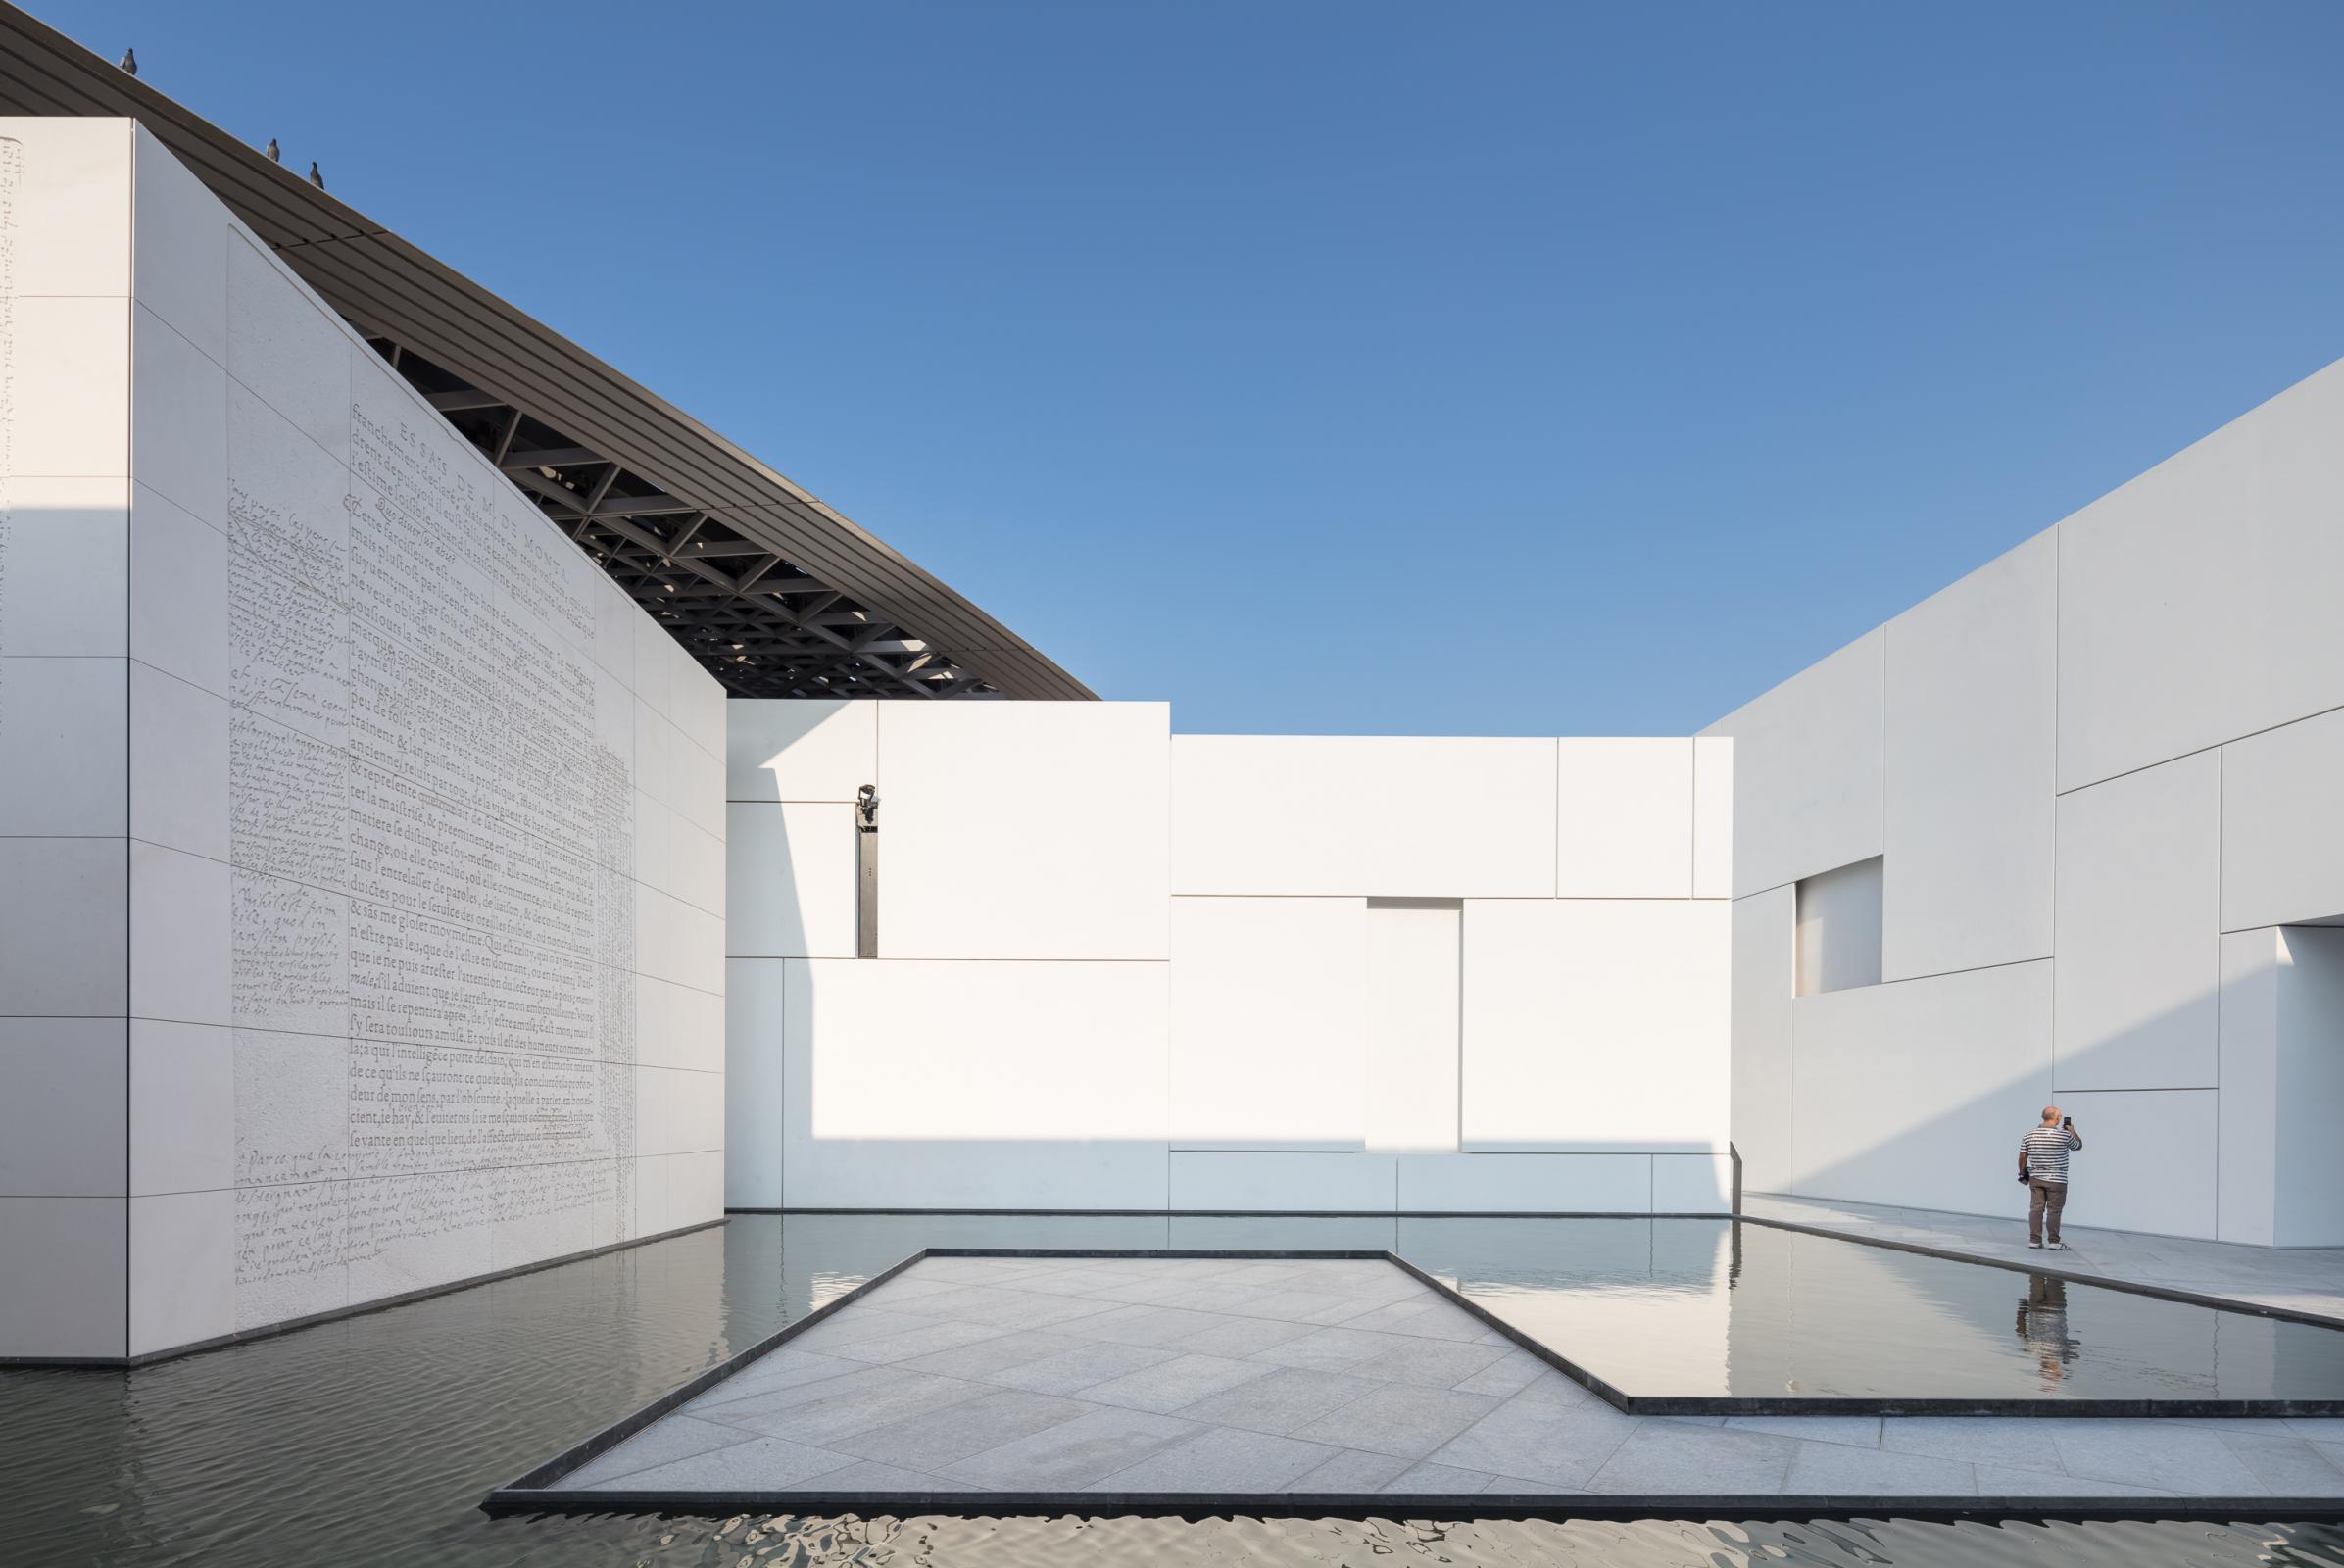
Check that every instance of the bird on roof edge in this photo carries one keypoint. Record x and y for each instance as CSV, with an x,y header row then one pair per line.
x,y
315,179
129,61
274,156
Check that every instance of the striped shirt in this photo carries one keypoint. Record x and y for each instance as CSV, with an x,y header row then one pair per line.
x,y
2046,1150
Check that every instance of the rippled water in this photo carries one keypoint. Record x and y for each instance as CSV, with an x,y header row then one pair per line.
x,y
371,1441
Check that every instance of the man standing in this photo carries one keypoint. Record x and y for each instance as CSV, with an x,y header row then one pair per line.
x,y
2043,1165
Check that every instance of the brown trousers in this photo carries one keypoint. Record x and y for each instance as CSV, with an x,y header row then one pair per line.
x,y
2044,1200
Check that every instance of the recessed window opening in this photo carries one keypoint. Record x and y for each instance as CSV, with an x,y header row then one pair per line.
x,y
1838,944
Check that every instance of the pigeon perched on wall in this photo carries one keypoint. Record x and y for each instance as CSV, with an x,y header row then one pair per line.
x,y
274,156
315,179
129,61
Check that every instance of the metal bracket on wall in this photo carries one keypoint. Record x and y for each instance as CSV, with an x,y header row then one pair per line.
x,y
866,871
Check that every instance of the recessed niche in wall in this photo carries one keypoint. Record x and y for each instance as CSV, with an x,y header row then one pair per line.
x,y
1839,929
1413,971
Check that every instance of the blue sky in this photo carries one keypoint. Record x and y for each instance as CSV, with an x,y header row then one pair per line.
x,y
1479,368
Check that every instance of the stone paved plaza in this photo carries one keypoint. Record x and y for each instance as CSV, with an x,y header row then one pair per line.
x,y
1235,1378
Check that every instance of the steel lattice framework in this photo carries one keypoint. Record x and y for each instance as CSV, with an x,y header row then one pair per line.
x,y
760,624
776,594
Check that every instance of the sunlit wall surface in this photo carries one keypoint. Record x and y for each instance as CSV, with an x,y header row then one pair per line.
x,y
1119,968
2100,775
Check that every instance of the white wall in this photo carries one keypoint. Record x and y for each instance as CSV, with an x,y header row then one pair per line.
x,y
378,834
1120,968
2100,773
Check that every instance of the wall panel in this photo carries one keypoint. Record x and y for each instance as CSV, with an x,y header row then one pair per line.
x,y
1970,733
1373,816
1765,1107
1808,759
801,750
1624,818
2282,835
1918,1091
1269,1005
973,1085
2147,1163
2140,871
1291,1183
1596,1024
795,897
1023,830
2196,602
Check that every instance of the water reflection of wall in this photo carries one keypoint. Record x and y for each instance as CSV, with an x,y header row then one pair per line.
x,y
1650,1294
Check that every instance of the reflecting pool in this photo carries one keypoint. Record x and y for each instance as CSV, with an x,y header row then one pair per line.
x,y
369,1440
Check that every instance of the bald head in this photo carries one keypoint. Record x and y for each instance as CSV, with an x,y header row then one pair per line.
x,y
2050,1114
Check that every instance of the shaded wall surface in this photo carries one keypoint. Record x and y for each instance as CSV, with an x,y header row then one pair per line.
x,y
1119,968
2102,776
360,843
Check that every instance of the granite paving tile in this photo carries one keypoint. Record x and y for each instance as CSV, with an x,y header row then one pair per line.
x,y
1435,1363
1220,1460
1241,1335
857,1320
1304,1306
1168,1384
923,1341
1350,1472
1425,1314
1399,1419
934,1438
1663,1458
1074,1453
1280,1400
761,1463
982,1269
1514,1370
1442,1481
1095,1362
1141,1325
1009,1307
2015,1443
983,1357
1549,1441
1832,1468
735,1393
2289,1467
1331,1349
845,1412
785,1367
1212,1297
1854,1430
1153,1290
2151,1454
870,1475
2005,1481
676,1436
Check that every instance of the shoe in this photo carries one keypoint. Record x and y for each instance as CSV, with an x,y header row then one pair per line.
x,y
2057,1246
2037,1245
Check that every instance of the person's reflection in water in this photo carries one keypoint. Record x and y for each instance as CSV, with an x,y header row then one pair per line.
x,y
2043,1327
